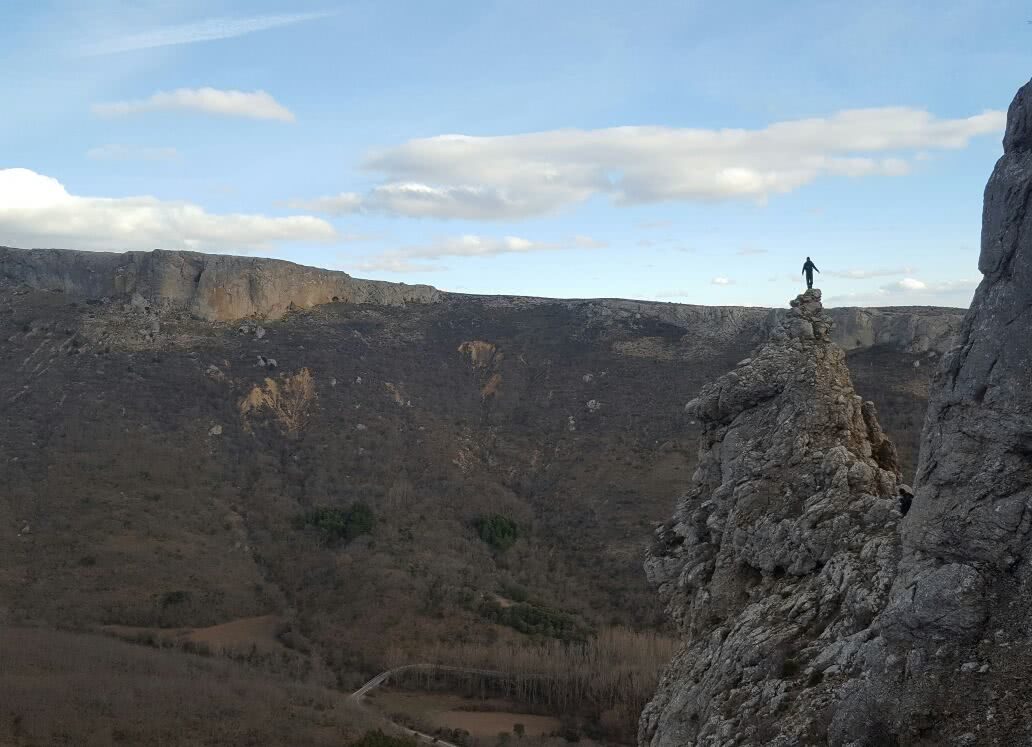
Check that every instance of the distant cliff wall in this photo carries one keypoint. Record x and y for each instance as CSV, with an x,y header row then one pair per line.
x,y
913,329
212,286
222,287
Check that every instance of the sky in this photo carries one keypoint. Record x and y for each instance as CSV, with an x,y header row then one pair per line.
x,y
688,151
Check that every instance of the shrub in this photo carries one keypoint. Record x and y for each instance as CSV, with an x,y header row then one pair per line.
x,y
170,598
500,532
536,620
514,592
340,524
379,739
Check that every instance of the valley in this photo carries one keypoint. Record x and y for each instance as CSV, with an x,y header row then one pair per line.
x,y
351,486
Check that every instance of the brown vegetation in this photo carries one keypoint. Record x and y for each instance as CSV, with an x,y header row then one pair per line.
x,y
84,690
289,402
480,353
605,681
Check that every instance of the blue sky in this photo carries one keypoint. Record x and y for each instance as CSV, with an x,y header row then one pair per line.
x,y
693,152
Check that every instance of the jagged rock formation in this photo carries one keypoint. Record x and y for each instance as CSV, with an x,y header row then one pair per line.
x,y
212,287
784,546
950,663
930,646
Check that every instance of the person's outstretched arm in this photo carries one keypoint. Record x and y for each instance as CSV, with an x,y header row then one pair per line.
x,y
815,267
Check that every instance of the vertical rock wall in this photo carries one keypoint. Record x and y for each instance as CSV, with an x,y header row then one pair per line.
x,y
951,660
788,548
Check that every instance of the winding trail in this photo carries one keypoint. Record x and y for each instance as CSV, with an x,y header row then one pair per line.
x,y
357,698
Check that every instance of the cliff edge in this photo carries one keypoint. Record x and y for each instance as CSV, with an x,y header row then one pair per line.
x,y
219,287
211,286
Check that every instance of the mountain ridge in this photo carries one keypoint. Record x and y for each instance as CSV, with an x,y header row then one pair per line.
x,y
223,287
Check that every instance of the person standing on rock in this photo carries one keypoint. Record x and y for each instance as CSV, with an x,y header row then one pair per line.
x,y
808,268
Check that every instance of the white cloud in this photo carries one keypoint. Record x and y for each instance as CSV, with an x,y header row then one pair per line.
x,y
37,210
587,242
116,152
750,251
252,105
908,284
200,31
401,260
864,274
719,280
423,201
911,292
518,176
343,204
395,264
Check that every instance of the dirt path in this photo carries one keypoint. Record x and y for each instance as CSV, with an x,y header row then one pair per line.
x,y
358,698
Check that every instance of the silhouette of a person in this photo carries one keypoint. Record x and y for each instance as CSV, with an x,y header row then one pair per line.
x,y
808,268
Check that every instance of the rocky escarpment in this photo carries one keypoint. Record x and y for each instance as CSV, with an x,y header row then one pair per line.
x,y
915,329
949,663
782,549
212,287
912,329
224,288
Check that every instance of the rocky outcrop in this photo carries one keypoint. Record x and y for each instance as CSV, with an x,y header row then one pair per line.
x,y
925,641
950,660
211,286
782,550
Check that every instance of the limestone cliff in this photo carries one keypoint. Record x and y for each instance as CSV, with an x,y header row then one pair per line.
x,y
912,329
950,662
783,547
912,632
220,287
211,286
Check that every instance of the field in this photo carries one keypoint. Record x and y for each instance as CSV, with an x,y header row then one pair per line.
x,y
433,712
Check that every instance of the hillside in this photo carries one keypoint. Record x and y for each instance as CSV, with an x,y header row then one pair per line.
x,y
390,473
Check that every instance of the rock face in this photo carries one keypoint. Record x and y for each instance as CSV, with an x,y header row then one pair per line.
x,y
964,591
213,287
912,329
923,637
915,329
783,548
